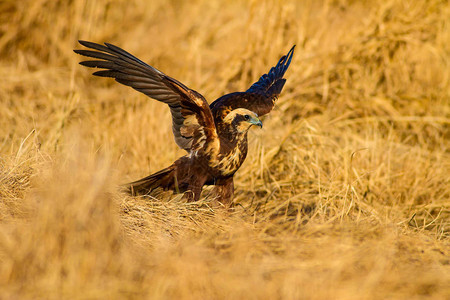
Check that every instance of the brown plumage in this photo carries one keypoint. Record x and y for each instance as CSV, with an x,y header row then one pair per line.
x,y
214,136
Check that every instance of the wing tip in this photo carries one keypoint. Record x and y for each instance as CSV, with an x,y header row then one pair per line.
x,y
86,43
275,74
289,56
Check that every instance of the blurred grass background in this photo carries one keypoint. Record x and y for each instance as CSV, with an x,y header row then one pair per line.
x,y
344,194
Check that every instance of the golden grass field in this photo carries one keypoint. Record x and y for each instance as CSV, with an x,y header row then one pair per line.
x,y
345,193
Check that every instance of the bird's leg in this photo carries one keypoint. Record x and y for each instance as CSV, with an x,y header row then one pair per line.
x,y
193,193
224,190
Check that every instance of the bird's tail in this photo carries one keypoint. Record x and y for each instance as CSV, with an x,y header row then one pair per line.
x,y
166,179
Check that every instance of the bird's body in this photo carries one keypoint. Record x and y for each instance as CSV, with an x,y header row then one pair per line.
x,y
215,136
215,165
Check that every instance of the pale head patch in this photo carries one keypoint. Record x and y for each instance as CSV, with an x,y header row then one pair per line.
x,y
238,111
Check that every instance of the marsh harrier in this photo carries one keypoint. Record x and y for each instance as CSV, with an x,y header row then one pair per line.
x,y
215,135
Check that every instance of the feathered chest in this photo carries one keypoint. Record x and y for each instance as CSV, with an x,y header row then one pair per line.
x,y
231,157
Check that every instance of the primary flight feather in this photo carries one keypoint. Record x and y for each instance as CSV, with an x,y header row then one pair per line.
x,y
215,136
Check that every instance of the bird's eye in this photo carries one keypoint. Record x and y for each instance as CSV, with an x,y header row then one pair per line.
x,y
247,117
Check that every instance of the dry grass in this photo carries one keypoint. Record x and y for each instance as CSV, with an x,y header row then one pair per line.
x,y
345,193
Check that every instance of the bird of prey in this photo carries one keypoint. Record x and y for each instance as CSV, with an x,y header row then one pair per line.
x,y
215,136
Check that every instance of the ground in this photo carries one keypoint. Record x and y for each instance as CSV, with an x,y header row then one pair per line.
x,y
345,191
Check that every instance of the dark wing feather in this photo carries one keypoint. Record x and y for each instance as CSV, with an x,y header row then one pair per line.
x,y
260,97
271,84
131,71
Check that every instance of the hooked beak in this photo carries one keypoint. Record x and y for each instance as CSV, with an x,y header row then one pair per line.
x,y
256,121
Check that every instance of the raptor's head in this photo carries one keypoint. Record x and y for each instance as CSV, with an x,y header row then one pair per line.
x,y
242,119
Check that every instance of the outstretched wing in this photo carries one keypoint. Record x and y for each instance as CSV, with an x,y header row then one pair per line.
x,y
271,84
191,116
261,96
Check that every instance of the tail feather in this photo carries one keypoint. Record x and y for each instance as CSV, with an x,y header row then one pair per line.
x,y
164,179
